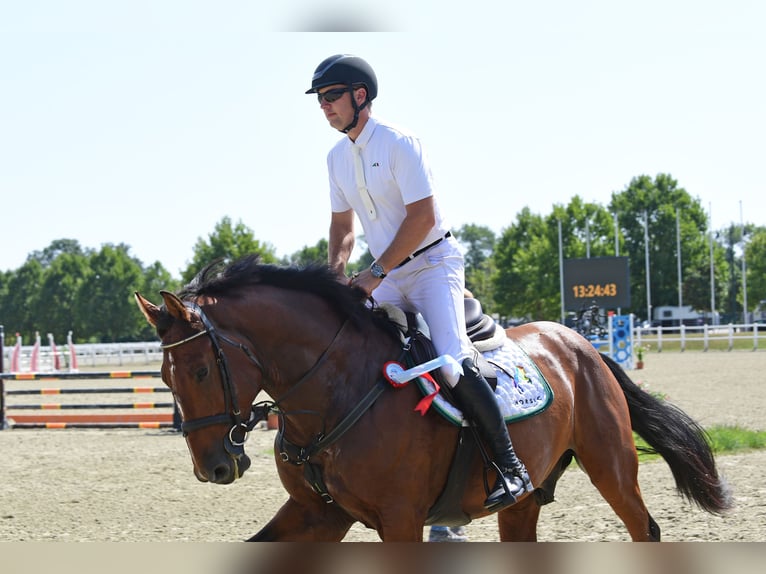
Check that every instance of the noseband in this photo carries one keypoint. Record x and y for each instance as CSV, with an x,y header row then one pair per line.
x,y
240,428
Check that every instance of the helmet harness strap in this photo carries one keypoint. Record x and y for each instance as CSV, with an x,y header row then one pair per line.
x,y
357,109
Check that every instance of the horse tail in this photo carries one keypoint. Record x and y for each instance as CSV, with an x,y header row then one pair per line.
x,y
678,439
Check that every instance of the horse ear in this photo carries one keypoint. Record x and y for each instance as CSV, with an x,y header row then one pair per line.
x,y
175,306
149,309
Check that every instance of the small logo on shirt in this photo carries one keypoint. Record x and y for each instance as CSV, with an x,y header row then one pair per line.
x,y
376,164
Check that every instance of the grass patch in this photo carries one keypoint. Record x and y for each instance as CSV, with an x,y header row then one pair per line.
x,y
735,438
695,342
723,439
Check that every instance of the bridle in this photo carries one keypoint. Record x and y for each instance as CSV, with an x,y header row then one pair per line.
x,y
240,427
235,439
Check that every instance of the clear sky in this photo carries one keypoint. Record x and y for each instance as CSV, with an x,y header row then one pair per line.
x,y
147,122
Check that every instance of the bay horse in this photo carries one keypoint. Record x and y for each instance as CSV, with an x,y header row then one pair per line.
x,y
316,347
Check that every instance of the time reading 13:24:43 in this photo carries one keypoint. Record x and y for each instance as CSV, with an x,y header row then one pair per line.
x,y
585,291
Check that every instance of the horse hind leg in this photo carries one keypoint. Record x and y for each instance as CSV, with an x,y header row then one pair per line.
x,y
617,481
611,463
519,522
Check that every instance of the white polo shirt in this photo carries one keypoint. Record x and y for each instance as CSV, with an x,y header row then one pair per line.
x,y
396,173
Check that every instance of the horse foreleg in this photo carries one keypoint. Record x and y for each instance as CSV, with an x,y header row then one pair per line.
x,y
400,528
518,523
296,522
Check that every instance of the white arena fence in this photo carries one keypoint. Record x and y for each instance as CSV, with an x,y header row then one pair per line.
x,y
684,338
702,337
85,355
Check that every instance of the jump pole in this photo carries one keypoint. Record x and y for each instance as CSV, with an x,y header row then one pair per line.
x,y
3,422
94,420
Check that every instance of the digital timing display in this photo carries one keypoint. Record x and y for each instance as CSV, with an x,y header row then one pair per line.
x,y
605,280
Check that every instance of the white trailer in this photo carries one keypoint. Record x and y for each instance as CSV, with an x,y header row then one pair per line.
x,y
675,316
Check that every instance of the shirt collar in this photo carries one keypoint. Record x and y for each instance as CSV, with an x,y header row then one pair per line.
x,y
366,133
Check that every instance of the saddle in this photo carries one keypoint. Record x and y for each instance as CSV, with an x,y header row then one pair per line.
x,y
483,331
486,335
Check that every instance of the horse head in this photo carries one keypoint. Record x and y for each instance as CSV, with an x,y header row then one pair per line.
x,y
299,335
198,372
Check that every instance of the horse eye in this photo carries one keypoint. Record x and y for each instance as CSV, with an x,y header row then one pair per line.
x,y
202,374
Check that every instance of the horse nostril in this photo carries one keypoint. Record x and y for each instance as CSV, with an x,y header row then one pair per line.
x,y
222,474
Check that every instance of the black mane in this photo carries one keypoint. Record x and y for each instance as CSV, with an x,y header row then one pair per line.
x,y
219,279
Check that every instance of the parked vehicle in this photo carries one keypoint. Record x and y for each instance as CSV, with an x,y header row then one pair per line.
x,y
759,314
675,316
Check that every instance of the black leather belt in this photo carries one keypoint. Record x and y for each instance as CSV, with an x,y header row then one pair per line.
x,y
424,249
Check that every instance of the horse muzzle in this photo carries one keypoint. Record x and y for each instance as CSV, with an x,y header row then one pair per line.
x,y
224,470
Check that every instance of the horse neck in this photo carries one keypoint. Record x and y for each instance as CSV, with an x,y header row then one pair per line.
x,y
313,359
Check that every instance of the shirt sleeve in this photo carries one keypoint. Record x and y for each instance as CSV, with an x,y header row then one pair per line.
x,y
338,201
411,170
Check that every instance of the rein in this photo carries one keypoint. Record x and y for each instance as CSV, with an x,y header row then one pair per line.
x,y
238,433
240,429
313,369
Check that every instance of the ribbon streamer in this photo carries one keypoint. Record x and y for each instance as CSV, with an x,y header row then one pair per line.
x,y
399,377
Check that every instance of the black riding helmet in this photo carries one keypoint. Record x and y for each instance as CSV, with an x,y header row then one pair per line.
x,y
349,70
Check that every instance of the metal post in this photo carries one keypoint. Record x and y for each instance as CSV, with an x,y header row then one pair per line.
x,y
646,258
617,247
713,317
561,276
744,274
678,259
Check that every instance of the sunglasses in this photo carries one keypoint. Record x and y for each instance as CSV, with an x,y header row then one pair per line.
x,y
332,95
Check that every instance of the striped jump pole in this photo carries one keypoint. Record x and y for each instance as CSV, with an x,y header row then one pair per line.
x,y
3,423
34,359
16,355
72,353
142,421
54,352
87,420
84,375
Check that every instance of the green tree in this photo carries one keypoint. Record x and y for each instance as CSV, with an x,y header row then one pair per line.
x,y
527,280
655,202
5,278
62,280
526,283
18,308
106,309
755,259
730,239
316,255
56,248
587,229
228,242
479,244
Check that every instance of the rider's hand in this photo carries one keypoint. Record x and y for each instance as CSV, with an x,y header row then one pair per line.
x,y
365,280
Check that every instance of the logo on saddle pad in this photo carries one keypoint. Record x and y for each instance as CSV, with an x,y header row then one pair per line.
x,y
521,391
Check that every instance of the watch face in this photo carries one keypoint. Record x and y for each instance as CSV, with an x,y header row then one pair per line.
x,y
377,270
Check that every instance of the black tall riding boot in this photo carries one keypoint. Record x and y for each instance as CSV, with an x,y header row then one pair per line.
x,y
477,400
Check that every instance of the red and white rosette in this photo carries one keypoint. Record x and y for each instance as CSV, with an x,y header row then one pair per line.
x,y
391,370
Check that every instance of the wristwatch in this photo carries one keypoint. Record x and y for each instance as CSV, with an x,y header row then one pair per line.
x,y
377,270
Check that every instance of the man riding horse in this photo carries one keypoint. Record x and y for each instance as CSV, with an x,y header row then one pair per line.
x,y
380,173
